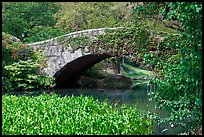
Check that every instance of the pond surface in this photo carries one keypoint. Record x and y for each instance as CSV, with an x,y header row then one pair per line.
x,y
137,96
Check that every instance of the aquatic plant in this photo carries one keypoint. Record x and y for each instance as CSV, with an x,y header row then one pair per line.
x,y
70,115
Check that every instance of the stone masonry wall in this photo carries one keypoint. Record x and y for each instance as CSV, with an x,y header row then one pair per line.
x,y
58,54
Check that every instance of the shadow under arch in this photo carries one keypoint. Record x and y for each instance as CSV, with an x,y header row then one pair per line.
x,y
68,75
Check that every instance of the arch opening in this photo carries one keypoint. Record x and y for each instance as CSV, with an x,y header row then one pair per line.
x,y
68,75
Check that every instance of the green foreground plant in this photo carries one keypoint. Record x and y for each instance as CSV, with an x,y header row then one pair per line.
x,y
70,115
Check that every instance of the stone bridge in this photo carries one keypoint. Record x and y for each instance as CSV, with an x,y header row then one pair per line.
x,y
70,55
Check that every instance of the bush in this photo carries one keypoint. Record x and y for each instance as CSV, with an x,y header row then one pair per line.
x,y
69,115
23,75
20,66
13,50
6,84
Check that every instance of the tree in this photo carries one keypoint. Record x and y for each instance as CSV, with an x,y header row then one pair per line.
x,y
22,17
179,61
76,16
176,57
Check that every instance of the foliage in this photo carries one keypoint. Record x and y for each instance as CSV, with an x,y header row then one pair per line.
x,y
97,71
23,75
75,16
40,33
27,17
54,115
13,50
178,61
124,41
175,58
20,65
6,84
79,41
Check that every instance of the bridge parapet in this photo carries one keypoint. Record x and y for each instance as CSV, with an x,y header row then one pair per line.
x,y
90,32
59,50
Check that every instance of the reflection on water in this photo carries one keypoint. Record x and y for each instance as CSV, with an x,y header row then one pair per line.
x,y
137,96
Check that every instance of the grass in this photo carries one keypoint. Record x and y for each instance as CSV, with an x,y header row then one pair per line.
x,y
70,115
133,72
136,72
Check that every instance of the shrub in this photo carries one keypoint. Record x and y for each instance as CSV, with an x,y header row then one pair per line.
x,y
13,50
6,84
23,75
20,65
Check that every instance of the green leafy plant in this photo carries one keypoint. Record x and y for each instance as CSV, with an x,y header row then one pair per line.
x,y
70,115
17,73
12,51
177,60
79,41
29,19
23,76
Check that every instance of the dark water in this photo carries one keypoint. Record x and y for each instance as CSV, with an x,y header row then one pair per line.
x,y
137,96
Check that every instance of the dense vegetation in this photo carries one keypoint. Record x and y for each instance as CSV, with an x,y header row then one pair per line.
x,y
70,115
76,16
30,21
179,62
36,21
176,58
20,66
164,37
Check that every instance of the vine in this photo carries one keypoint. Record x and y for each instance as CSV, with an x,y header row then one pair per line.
x,y
176,59
79,42
132,42
60,39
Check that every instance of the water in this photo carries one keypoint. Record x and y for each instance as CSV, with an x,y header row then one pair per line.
x,y
137,96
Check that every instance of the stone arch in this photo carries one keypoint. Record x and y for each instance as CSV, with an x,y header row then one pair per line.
x,y
68,75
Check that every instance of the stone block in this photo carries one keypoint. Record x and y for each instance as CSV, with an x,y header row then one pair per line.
x,y
59,54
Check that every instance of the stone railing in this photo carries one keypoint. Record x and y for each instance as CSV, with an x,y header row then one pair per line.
x,y
90,33
59,50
